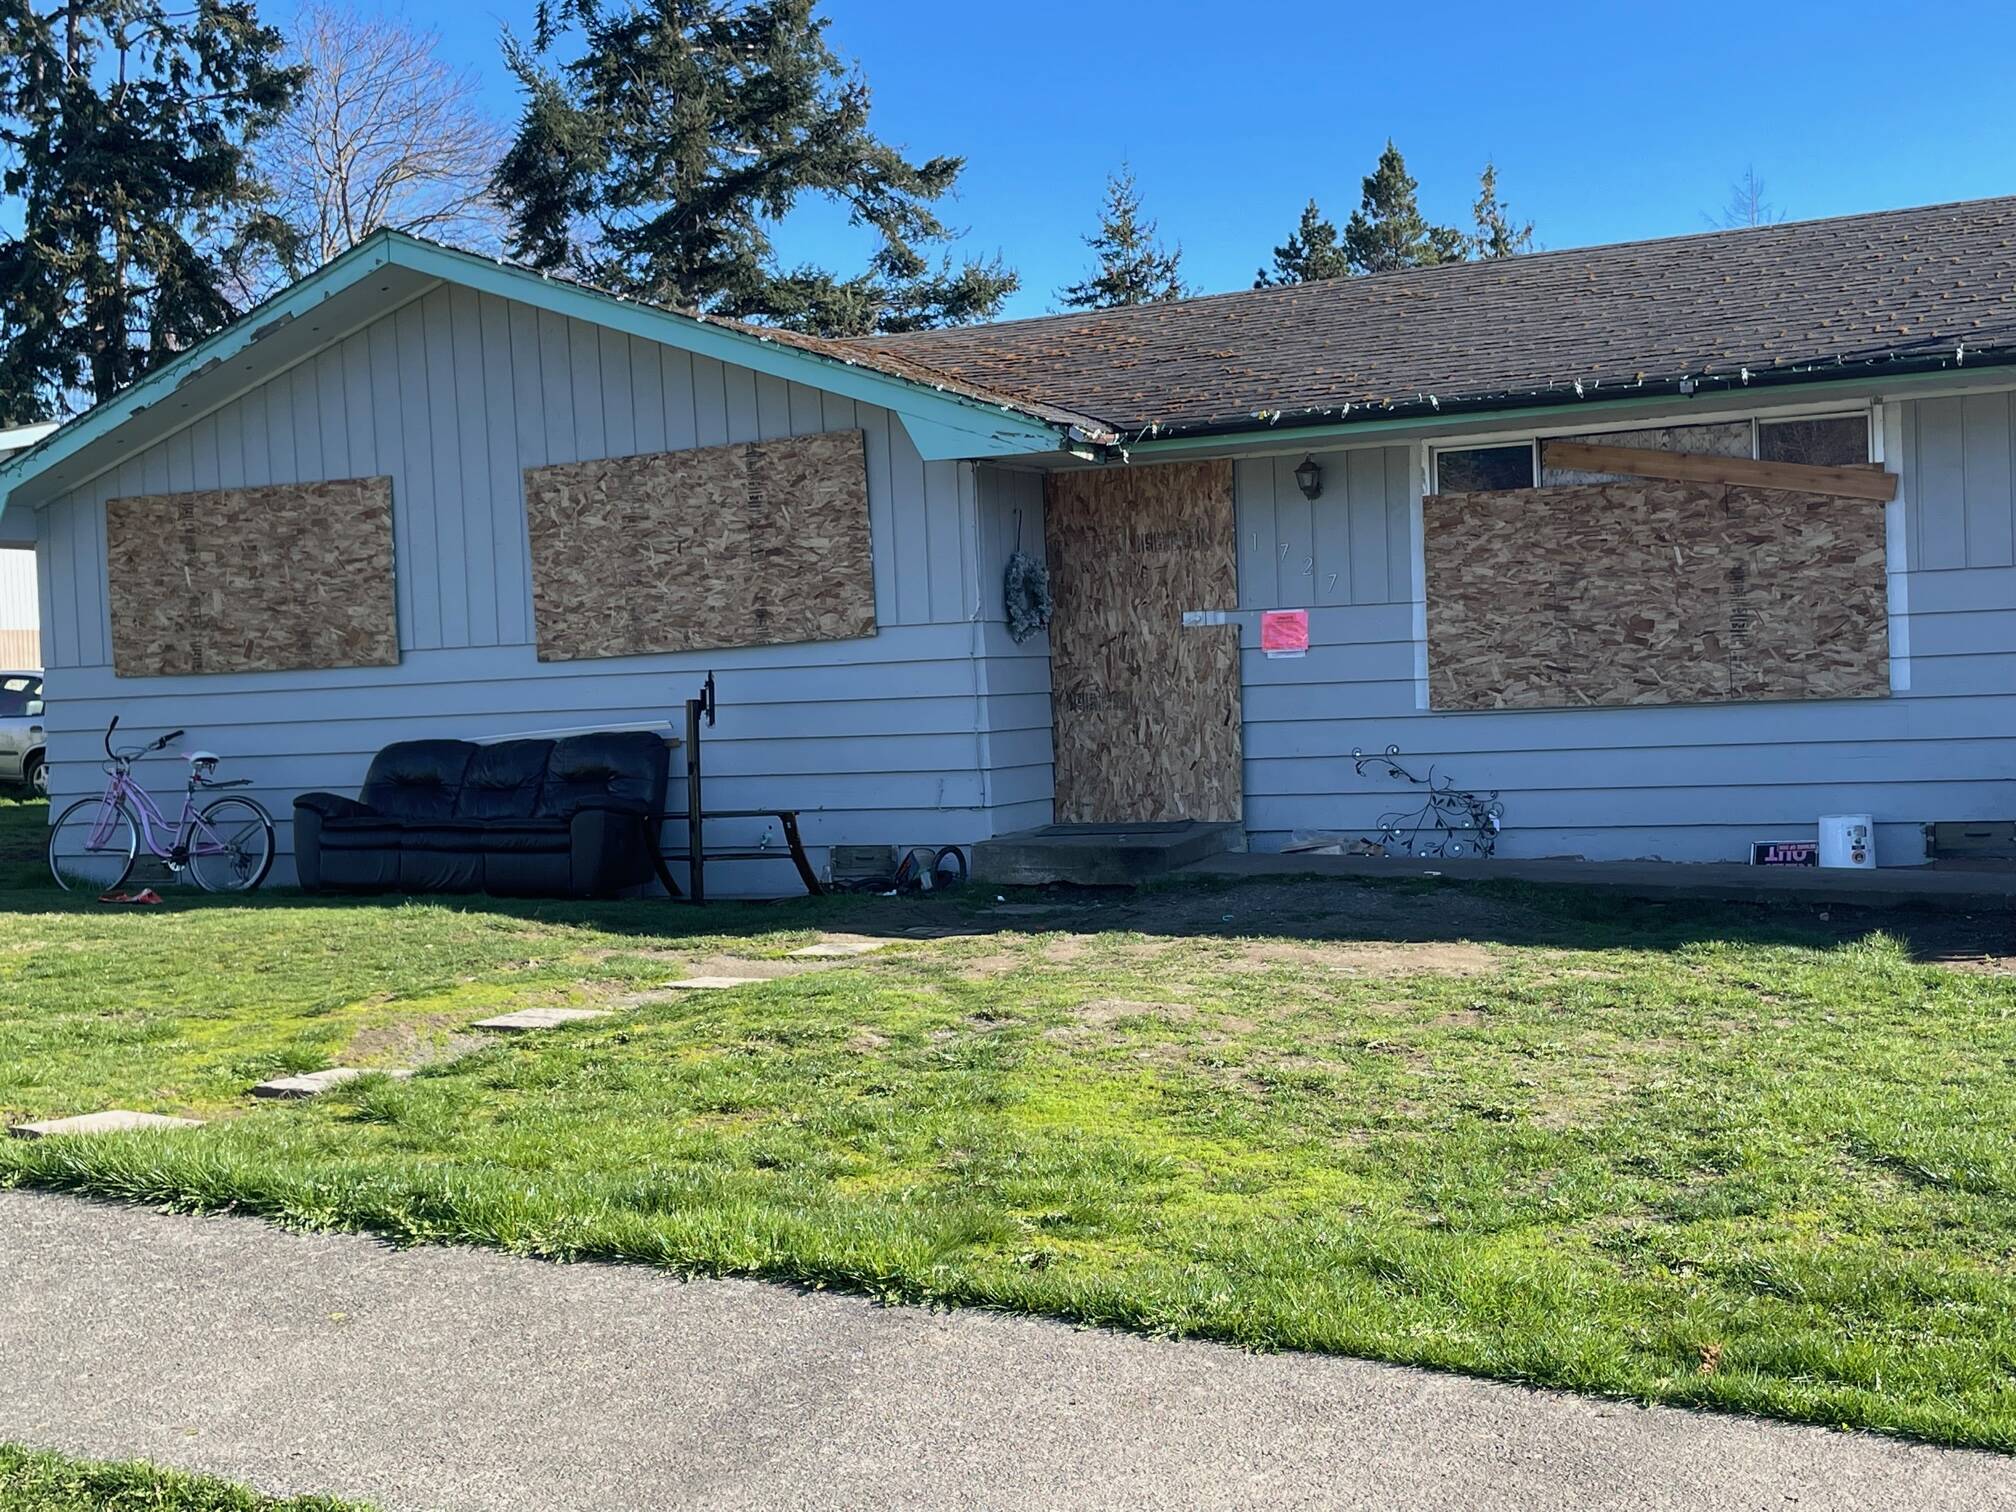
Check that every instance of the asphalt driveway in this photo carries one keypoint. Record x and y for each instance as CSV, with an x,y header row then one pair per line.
x,y
458,1378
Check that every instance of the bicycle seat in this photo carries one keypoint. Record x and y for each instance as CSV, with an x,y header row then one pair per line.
x,y
201,758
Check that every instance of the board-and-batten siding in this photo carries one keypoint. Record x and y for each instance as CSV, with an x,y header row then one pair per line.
x,y
1015,679
1684,782
890,738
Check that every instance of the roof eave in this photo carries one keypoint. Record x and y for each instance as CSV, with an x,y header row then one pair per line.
x,y
1429,412
944,423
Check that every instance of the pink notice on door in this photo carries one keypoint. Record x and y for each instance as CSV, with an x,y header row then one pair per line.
x,y
1284,632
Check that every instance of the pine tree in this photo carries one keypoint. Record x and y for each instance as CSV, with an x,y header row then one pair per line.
x,y
1387,231
124,127
1311,252
1133,267
1497,234
659,159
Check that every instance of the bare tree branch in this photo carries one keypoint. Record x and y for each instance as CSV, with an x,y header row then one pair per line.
x,y
384,134
1747,205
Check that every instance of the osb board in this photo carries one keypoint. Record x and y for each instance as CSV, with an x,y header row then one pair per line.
x,y
755,544
1652,593
271,579
1145,710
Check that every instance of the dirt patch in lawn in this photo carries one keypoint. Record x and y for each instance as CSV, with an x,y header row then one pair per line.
x,y
1369,958
424,1041
1323,911
1102,1011
740,966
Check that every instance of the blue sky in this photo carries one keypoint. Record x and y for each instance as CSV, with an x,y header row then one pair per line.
x,y
1607,122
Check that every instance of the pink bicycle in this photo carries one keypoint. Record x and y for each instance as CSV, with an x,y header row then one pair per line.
x,y
226,847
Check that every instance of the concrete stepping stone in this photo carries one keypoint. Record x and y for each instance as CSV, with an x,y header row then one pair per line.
x,y
315,1083
539,1018
713,983
835,949
111,1121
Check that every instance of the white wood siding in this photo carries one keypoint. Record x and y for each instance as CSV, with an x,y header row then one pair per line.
x,y
1684,783
1014,679
908,736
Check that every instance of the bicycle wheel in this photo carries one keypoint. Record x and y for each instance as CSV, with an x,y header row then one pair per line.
x,y
231,846
92,845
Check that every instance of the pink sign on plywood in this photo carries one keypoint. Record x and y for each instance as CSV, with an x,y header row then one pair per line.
x,y
1284,632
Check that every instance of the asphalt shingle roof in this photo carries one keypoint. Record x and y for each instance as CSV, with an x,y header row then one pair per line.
x,y
1519,330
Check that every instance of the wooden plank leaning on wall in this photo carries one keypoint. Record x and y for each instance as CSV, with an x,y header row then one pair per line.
x,y
1870,482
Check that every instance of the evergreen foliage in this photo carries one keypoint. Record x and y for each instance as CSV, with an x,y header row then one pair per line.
x,y
132,207
1388,232
1312,251
1497,234
659,158
1133,266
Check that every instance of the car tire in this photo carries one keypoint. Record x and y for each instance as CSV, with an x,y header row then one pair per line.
x,y
36,777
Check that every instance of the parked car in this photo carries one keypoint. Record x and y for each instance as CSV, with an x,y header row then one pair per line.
x,y
21,739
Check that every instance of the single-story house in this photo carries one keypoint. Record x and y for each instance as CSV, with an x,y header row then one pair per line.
x,y
1675,545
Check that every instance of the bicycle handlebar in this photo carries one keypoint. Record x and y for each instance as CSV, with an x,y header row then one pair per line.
x,y
166,740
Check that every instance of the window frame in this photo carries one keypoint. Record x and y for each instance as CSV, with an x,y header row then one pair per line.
x,y
1531,443
1864,414
1868,413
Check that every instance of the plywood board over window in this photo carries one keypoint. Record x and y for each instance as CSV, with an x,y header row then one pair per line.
x,y
1146,709
270,579
1653,593
749,545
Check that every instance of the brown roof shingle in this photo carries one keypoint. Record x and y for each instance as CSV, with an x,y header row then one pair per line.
x,y
1523,330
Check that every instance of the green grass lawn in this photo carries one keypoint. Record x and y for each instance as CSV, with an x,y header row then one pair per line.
x,y
1730,1158
32,1481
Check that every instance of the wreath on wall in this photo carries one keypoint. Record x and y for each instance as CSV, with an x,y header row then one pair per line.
x,y
1026,591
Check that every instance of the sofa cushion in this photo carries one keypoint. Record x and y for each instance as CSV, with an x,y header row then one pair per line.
x,y
503,780
612,769
417,779
362,832
526,837
442,835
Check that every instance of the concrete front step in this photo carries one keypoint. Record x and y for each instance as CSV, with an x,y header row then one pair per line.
x,y
1102,855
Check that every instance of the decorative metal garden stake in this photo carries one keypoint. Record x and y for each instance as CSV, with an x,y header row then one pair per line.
x,y
1449,823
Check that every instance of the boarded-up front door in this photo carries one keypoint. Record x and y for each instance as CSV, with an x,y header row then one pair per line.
x,y
1146,710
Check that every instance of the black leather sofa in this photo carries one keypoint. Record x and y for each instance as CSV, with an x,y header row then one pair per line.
x,y
522,818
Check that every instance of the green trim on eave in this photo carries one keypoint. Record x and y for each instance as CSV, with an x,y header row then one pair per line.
x,y
1010,431
1738,397
367,257
968,427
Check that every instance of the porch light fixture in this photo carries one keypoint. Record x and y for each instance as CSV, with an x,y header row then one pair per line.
x,y
1309,478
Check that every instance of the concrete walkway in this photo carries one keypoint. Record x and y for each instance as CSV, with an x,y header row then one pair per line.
x,y
454,1378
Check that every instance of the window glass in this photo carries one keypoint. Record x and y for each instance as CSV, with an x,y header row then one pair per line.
x,y
1480,469
1725,438
1835,441
13,697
